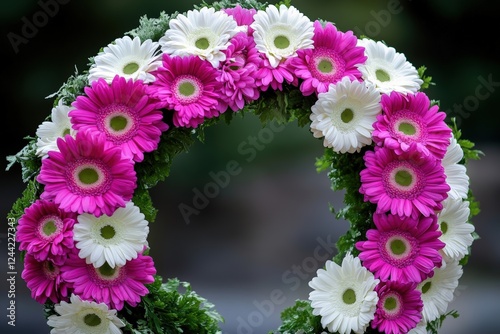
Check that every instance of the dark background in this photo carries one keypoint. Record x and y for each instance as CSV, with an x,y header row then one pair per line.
x,y
247,241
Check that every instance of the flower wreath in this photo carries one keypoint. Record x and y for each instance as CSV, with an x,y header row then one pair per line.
x,y
82,222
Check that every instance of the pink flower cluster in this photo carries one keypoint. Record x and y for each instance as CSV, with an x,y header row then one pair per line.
x,y
195,90
405,179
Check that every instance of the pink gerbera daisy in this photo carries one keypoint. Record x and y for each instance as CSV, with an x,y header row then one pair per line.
x,y
242,16
399,307
112,286
45,231
237,72
88,175
402,249
406,184
335,55
408,121
188,85
124,112
44,279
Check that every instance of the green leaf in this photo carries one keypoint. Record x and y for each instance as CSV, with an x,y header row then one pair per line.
x,y
299,319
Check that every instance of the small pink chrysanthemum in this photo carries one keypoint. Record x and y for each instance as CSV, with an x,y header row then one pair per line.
x,y
188,85
45,231
237,72
335,55
399,307
243,17
274,77
123,112
112,286
88,175
402,249
44,280
407,184
409,122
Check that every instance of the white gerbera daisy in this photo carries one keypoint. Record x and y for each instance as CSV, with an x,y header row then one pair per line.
x,y
345,114
81,316
420,329
344,296
437,291
126,58
115,240
280,33
457,232
205,33
456,173
57,127
387,69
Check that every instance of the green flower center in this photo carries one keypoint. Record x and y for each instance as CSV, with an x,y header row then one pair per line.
x,y
92,320
118,123
426,287
444,227
130,68
88,176
202,43
347,115
407,129
50,266
281,42
187,88
382,75
349,296
108,232
403,178
325,66
398,247
106,270
49,227
390,303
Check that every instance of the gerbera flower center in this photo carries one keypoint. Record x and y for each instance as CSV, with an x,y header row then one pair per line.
x,y
347,115
187,89
108,232
281,42
444,227
407,128
107,273
403,178
392,305
50,270
349,296
426,287
130,68
88,176
202,43
398,248
118,123
382,75
50,226
92,320
325,66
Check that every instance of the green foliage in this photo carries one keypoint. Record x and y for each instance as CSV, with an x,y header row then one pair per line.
x,y
427,80
167,310
72,88
29,195
218,5
153,28
156,165
27,158
142,199
433,326
299,319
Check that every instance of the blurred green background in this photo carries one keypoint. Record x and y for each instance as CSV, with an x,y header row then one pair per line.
x,y
270,216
